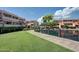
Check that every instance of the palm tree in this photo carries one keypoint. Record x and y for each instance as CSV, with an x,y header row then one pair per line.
x,y
49,21
47,18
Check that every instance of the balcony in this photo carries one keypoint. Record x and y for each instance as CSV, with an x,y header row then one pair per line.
x,y
9,25
1,25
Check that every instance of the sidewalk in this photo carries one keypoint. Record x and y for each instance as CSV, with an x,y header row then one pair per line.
x,y
67,43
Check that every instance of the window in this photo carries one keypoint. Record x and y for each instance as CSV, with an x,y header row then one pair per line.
x,y
68,24
15,17
8,22
0,17
0,13
1,21
7,15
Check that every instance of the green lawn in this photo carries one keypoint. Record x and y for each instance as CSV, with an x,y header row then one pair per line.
x,y
23,41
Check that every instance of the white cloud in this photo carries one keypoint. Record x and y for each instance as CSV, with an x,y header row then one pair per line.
x,y
40,20
62,14
65,13
58,12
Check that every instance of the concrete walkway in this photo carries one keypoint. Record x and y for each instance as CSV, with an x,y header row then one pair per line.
x,y
67,43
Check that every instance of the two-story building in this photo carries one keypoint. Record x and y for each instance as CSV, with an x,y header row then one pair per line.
x,y
73,23
31,24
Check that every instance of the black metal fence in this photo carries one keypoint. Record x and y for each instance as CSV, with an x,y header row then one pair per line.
x,y
72,34
10,28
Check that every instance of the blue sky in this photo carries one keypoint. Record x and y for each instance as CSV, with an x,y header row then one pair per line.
x,y
33,13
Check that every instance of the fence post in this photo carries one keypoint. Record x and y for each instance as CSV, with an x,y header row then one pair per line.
x,y
59,32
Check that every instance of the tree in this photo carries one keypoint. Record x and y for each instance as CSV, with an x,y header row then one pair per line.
x,y
48,20
66,26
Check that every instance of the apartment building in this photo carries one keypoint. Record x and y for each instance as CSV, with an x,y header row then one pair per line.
x,y
10,19
10,22
31,24
74,23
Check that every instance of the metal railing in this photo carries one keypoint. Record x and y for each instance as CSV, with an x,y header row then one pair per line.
x,y
72,34
1,25
10,25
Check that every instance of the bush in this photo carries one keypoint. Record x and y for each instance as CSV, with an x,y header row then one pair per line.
x,y
66,26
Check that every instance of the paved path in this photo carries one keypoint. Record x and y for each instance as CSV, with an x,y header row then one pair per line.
x,y
70,44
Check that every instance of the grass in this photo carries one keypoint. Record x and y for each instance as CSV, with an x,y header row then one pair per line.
x,y
24,41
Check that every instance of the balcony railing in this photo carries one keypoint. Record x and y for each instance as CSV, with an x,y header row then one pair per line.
x,y
9,25
1,25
